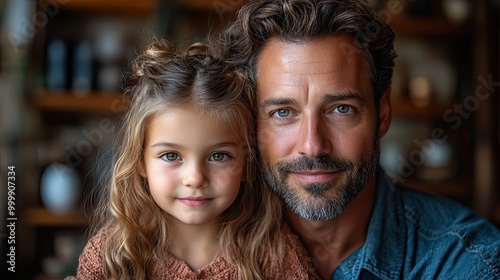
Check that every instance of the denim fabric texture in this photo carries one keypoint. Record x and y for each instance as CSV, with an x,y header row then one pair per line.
x,y
416,235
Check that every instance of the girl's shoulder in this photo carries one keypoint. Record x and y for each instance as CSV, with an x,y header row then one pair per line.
x,y
298,264
101,236
96,243
90,262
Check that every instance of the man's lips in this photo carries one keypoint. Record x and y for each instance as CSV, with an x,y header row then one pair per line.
x,y
195,201
318,176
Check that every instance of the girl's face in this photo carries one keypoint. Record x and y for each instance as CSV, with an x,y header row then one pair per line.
x,y
194,167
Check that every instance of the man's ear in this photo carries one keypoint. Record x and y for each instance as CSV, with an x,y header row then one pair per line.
x,y
385,112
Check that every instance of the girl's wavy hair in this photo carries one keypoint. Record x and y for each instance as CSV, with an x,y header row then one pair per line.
x,y
250,234
304,20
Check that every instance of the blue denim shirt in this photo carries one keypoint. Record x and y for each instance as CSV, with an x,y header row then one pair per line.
x,y
415,235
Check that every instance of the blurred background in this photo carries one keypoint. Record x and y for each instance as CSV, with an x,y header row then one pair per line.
x,y
63,68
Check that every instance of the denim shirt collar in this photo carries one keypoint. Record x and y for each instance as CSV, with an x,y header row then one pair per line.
x,y
384,249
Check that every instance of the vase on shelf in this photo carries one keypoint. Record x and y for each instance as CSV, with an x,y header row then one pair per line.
x,y
60,188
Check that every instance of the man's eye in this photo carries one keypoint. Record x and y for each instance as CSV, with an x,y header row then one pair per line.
x,y
170,156
219,157
282,113
343,109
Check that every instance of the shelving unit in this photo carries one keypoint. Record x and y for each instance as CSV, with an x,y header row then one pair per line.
x,y
57,110
470,48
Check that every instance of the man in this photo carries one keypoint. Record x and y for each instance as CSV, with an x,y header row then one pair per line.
x,y
322,71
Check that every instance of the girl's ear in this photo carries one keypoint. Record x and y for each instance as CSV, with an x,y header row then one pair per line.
x,y
142,170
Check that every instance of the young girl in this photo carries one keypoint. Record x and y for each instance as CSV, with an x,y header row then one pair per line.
x,y
186,199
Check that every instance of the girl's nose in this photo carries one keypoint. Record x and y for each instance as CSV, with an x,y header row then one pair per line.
x,y
195,176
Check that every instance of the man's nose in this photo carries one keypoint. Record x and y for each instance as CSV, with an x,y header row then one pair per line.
x,y
314,137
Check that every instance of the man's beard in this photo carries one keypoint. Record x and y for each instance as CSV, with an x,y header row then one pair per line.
x,y
321,203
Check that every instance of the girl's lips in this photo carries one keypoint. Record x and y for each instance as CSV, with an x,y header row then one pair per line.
x,y
195,201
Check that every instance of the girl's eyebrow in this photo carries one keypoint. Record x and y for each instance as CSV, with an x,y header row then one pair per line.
x,y
177,146
166,144
225,144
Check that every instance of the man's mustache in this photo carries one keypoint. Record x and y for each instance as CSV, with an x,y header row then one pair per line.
x,y
304,163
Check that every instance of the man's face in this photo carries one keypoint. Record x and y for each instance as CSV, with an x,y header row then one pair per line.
x,y
317,123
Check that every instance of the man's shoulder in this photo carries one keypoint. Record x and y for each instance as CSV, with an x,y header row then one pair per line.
x,y
437,213
440,227
434,236
428,214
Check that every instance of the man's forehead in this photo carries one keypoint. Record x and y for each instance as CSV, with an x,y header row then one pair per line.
x,y
321,56
340,43
318,54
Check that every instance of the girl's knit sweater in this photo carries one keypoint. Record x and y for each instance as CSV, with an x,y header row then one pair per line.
x,y
297,264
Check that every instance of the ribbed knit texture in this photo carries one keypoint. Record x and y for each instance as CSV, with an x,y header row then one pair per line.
x,y
297,264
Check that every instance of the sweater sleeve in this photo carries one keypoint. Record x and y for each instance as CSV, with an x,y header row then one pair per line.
x,y
90,263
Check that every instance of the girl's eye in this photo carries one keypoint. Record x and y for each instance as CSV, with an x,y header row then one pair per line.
x,y
343,109
219,157
282,113
170,156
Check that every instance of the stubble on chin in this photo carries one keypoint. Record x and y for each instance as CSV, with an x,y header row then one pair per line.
x,y
325,201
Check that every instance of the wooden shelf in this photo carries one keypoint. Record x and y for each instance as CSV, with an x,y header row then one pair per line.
x,y
405,108
41,217
66,102
406,26
118,7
